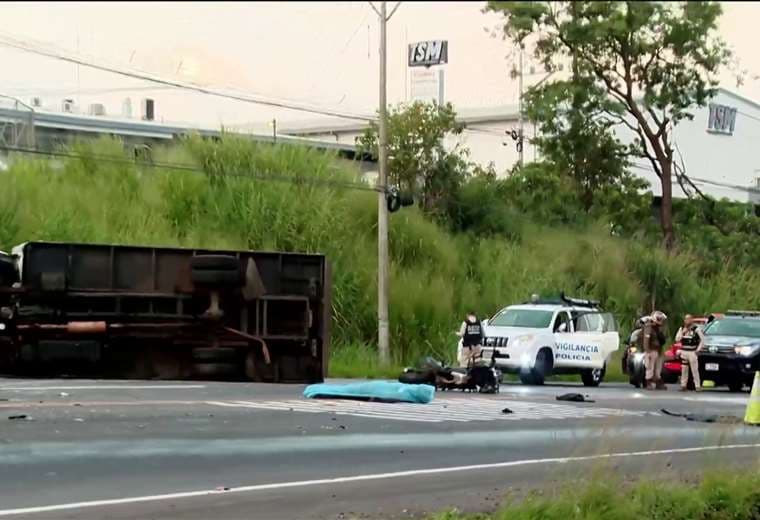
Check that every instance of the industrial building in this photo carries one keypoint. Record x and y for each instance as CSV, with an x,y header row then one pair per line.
x,y
717,145
27,126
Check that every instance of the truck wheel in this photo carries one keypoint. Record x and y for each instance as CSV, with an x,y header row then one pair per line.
x,y
593,377
258,371
215,263
217,355
214,370
735,386
217,278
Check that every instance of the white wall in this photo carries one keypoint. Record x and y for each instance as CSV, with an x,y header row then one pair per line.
x,y
718,160
485,142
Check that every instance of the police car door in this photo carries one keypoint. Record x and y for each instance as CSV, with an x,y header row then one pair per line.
x,y
595,338
582,345
564,337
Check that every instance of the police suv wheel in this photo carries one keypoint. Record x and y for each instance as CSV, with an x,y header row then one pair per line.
x,y
593,377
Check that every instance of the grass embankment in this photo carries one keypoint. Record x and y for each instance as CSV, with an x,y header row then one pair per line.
x,y
724,496
435,275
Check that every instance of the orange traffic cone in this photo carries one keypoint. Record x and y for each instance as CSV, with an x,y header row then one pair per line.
x,y
753,406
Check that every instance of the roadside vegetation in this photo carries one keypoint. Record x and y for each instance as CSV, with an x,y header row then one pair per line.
x,y
502,241
722,496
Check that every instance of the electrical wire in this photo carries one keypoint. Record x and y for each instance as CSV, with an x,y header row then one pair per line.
x,y
194,169
748,189
247,98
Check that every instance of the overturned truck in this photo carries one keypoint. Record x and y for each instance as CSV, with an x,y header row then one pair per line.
x,y
150,312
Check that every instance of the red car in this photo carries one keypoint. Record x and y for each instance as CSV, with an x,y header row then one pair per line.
x,y
671,369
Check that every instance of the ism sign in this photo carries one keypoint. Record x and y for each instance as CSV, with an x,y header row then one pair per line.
x,y
425,54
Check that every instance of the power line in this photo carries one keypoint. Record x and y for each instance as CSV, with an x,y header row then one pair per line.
x,y
247,98
195,169
748,189
90,91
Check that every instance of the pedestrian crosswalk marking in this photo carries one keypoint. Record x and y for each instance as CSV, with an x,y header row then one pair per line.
x,y
440,410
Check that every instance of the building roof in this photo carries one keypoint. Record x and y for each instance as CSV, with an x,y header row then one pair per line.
x,y
148,129
476,115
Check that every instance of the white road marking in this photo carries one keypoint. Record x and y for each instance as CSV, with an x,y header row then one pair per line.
x,y
363,478
440,410
100,387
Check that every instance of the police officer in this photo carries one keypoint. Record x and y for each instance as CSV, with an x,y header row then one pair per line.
x,y
471,332
692,340
653,341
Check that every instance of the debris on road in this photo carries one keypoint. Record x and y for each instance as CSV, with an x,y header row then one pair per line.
x,y
575,398
78,419
507,410
20,417
63,394
705,418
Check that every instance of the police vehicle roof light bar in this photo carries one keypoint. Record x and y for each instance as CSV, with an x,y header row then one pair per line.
x,y
578,302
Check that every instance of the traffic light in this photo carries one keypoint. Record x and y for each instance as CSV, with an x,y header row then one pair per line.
x,y
397,199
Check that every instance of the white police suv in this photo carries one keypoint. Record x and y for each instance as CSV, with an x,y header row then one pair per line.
x,y
545,337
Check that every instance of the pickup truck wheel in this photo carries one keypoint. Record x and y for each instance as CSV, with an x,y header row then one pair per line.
x,y
542,367
594,376
735,386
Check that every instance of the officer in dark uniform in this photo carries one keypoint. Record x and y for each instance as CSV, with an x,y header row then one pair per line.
x,y
471,332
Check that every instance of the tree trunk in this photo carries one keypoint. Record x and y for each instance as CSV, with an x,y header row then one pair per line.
x,y
666,205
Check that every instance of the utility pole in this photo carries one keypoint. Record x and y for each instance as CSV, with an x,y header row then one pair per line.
x,y
520,141
383,269
274,130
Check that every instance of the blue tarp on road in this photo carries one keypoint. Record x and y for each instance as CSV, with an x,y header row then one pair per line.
x,y
373,390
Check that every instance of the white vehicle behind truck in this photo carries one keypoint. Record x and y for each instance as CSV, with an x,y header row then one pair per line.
x,y
546,337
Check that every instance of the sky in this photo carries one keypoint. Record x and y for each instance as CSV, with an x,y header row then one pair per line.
x,y
321,53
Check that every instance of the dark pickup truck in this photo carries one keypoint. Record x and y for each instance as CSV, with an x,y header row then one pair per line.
x,y
143,312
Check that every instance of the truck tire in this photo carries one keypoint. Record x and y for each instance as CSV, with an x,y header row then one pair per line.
x,y
218,278
258,371
8,273
215,355
593,377
215,263
213,370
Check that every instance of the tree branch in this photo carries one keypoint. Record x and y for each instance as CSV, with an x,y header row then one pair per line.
x,y
393,11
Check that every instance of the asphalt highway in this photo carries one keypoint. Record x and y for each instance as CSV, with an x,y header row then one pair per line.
x,y
207,450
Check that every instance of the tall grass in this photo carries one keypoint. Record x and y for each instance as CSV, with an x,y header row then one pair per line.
x,y
721,496
436,275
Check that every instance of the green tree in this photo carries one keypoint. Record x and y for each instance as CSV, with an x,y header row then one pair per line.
x,y
575,137
417,158
653,61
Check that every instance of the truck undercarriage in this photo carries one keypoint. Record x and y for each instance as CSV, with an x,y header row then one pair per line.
x,y
124,311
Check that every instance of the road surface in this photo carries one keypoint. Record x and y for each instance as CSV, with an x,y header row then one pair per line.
x,y
199,450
